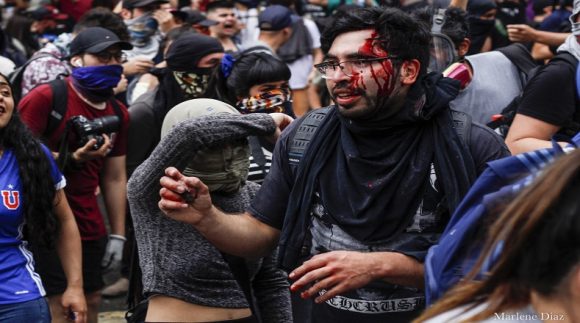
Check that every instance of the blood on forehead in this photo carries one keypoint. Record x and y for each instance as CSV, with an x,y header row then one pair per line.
x,y
372,47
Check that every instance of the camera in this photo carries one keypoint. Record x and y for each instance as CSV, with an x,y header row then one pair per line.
x,y
87,129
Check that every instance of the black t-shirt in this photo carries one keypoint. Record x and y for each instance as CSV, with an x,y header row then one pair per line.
x,y
550,96
364,305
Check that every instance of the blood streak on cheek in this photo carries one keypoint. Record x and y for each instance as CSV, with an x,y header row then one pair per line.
x,y
372,48
356,80
388,70
383,78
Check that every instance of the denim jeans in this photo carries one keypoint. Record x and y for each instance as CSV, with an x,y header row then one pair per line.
x,y
35,311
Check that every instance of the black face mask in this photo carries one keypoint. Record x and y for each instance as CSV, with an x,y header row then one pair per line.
x,y
480,27
511,13
201,70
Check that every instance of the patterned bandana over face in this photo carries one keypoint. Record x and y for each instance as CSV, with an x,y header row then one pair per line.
x,y
141,29
192,85
269,102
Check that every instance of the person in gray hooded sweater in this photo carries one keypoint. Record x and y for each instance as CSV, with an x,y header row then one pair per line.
x,y
186,278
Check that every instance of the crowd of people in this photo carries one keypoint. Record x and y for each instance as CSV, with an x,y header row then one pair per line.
x,y
283,160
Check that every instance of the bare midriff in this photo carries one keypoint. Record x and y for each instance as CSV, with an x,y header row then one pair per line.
x,y
168,309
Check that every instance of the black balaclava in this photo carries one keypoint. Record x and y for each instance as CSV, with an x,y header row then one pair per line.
x,y
479,28
182,79
511,12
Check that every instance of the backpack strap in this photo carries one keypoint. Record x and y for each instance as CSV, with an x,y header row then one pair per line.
x,y
570,128
462,125
573,61
520,56
117,108
577,82
303,134
257,154
59,105
569,58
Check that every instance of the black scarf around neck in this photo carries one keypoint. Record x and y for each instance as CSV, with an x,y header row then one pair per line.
x,y
372,174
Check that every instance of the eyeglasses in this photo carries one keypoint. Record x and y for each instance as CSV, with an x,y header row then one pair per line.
x,y
349,68
105,56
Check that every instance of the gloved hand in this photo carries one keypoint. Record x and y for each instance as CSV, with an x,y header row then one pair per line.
x,y
114,252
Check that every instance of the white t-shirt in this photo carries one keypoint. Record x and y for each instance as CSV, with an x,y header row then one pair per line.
x,y
6,65
250,33
301,67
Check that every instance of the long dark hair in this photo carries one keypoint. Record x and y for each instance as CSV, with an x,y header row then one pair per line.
x,y
38,187
250,68
539,233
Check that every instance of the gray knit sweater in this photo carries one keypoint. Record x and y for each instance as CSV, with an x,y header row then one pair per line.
x,y
175,259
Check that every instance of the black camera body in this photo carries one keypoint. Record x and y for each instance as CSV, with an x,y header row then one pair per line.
x,y
86,129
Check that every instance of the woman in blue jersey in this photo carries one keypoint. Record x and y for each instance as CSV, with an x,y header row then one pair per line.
x,y
33,206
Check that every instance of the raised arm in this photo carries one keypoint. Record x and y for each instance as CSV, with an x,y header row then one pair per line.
x,y
177,149
185,140
525,33
187,199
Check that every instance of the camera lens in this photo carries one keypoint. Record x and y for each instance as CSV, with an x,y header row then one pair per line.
x,y
107,124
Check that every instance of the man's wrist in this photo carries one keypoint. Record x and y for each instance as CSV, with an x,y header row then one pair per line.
x,y
208,221
381,265
398,268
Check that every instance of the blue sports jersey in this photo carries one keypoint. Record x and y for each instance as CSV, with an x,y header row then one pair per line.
x,y
18,280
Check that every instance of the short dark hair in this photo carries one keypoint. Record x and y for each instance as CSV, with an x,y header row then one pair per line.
x,y
399,33
103,17
455,26
251,68
214,5
173,34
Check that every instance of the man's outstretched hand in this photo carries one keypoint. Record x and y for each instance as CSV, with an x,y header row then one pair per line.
x,y
185,199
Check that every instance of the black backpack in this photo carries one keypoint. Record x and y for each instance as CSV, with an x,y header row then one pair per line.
x,y
526,66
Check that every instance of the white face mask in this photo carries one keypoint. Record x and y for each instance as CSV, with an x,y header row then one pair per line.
x,y
572,19
576,28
